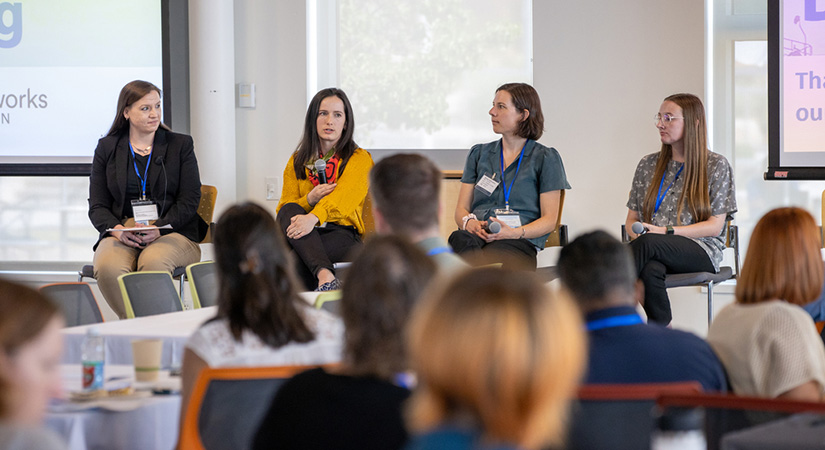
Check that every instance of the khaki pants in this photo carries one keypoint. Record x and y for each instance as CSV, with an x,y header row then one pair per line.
x,y
113,258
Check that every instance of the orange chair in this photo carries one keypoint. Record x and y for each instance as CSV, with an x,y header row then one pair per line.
x,y
227,405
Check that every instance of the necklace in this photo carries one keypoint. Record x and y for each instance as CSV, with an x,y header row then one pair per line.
x,y
142,152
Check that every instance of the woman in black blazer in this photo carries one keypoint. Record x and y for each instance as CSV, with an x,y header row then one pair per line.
x,y
142,174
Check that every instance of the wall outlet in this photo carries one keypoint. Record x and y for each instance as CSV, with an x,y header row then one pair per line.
x,y
273,188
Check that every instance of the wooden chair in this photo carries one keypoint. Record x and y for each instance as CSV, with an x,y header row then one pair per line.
x,y
706,279
557,238
228,404
618,416
727,414
206,209
203,283
148,293
76,300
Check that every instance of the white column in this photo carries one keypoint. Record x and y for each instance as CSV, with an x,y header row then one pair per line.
x,y
212,94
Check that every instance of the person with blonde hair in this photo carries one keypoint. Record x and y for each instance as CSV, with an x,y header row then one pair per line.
x,y
766,341
30,351
682,195
498,357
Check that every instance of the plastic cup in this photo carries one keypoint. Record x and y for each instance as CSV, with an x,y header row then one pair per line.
x,y
146,357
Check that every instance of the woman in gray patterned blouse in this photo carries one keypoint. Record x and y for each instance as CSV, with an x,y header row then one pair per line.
x,y
683,196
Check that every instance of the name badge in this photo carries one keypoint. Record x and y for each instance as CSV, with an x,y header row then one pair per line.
x,y
486,185
145,211
510,217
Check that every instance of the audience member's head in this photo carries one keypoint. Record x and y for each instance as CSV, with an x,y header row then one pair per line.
x,y
783,261
255,277
405,191
30,351
387,278
496,347
598,271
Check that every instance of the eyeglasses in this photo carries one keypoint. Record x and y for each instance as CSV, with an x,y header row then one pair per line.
x,y
665,118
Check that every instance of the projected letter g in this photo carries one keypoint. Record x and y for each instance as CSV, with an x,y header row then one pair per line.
x,y
11,31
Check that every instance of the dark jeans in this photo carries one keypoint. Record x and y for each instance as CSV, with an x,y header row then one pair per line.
x,y
518,254
318,249
657,255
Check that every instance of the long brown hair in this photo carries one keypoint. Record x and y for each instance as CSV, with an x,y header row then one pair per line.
x,y
132,92
783,261
24,313
310,145
256,283
387,278
695,193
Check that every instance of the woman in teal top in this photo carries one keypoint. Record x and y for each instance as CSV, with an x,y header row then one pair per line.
x,y
515,182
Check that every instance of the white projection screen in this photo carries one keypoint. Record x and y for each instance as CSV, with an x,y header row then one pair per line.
x,y
62,65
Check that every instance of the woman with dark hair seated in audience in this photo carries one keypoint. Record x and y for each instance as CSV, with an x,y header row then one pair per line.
x,y
498,358
766,341
261,320
30,350
358,405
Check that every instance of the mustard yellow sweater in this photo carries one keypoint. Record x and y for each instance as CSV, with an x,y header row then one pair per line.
x,y
344,204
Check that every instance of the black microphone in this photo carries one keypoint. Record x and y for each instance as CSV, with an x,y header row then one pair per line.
x,y
321,169
638,228
492,227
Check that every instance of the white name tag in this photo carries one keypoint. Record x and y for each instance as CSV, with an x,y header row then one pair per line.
x,y
145,211
509,217
487,185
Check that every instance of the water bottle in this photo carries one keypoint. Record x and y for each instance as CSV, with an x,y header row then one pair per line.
x,y
679,429
93,354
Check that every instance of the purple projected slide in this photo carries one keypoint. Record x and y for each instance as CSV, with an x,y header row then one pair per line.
x,y
803,76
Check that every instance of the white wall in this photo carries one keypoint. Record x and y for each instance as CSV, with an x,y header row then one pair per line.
x,y
602,69
270,51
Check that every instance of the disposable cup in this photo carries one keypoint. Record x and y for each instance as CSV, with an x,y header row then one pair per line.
x,y
146,356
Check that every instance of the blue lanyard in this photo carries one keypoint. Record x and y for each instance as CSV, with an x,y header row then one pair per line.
x,y
506,189
661,195
439,250
145,172
615,321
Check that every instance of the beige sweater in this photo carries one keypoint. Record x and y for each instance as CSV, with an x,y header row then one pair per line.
x,y
768,348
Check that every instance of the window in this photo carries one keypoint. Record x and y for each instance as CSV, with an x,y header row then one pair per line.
x,y
420,75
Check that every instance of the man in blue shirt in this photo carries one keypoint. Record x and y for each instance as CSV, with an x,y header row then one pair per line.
x,y
598,271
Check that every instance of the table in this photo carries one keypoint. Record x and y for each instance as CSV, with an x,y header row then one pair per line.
x,y
173,328
149,422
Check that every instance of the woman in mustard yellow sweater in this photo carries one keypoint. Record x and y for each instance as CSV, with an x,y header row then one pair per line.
x,y
325,184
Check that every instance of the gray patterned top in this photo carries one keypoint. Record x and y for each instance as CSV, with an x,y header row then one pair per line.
x,y
722,194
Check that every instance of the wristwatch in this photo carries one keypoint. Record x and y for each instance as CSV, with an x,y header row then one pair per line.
x,y
669,229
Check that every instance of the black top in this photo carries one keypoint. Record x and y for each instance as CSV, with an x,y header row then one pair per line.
x,y
174,182
319,410
133,185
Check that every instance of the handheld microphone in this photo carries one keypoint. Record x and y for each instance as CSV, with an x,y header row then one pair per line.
x,y
638,228
321,169
492,227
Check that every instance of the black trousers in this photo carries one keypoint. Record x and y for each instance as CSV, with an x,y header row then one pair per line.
x,y
657,255
518,254
318,249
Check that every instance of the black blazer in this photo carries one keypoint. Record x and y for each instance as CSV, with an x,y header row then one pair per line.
x,y
173,176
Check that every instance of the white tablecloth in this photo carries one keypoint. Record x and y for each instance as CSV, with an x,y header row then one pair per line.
x,y
117,424
173,328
